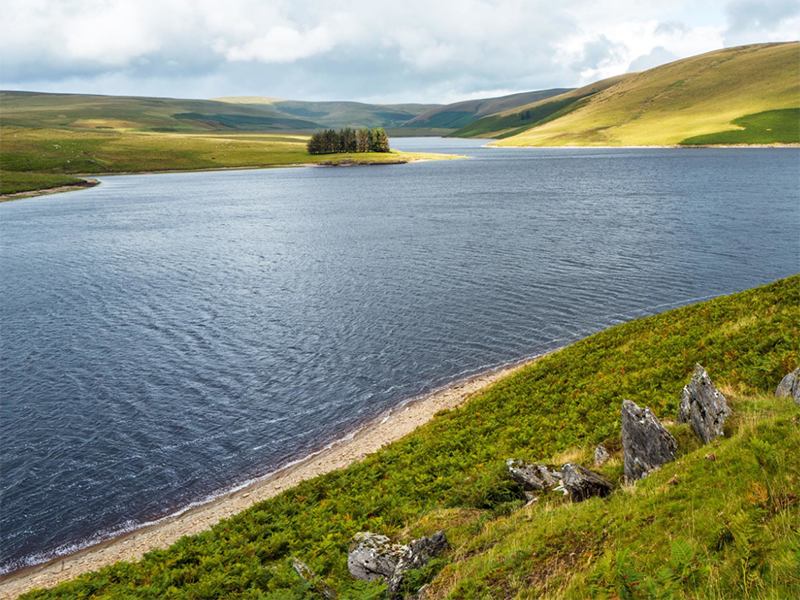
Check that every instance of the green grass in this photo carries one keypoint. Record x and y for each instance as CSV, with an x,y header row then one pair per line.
x,y
12,182
730,523
768,127
44,153
697,96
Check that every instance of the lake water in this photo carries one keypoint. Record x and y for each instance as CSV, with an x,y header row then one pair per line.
x,y
168,337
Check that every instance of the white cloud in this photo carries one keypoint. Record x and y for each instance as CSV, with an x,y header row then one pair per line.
x,y
412,50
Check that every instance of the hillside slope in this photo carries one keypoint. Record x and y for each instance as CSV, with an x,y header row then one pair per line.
x,y
460,114
336,114
132,113
700,528
519,118
698,96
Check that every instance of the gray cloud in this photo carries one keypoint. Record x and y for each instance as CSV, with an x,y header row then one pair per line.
x,y
657,56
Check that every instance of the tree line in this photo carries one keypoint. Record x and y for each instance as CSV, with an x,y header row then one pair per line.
x,y
349,140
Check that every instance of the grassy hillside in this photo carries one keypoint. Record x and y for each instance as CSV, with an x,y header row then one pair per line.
x,y
337,114
520,118
700,528
460,114
125,113
704,95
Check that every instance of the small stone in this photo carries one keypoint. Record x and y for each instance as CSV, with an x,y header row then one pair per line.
x,y
601,456
703,406
533,477
373,556
582,483
646,444
789,386
711,457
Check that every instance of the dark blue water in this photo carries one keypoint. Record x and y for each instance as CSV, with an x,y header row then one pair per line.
x,y
166,337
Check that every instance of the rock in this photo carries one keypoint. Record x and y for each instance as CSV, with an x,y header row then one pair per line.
x,y
306,574
789,386
416,556
646,445
703,406
601,456
372,556
533,477
582,483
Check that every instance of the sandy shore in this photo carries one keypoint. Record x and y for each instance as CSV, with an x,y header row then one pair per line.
x,y
369,439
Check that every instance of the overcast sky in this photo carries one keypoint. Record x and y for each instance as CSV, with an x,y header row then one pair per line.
x,y
400,51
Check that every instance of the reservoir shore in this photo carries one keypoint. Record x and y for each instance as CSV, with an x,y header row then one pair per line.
x,y
338,455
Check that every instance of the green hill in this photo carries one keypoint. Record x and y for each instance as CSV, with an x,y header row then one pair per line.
x,y
131,113
520,118
461,114
735,95
337,114
721,526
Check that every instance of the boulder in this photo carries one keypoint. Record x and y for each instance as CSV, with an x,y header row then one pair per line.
x,y
372,556
601,456
646,444
416,556
789,386
582,483
533,477
703,406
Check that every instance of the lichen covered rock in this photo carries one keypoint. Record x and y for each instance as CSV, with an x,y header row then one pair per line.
x,y
417,555
646,444
582,483
789,386
601,456
533,477
703,406
373,556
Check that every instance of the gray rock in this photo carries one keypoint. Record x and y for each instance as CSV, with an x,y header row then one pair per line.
x,y
372,556
601,456
789,386
582,483
417,555
703,406
646,445
306,574
533,477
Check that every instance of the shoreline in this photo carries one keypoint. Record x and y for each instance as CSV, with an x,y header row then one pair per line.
x,y
352,447
91,182
88,182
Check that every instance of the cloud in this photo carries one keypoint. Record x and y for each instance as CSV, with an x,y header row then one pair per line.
x,y
415,50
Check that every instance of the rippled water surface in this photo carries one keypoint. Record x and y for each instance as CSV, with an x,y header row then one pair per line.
x,y
166,337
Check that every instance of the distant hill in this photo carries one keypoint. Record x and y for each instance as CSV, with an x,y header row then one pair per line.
x,y
460,114
743,95
336,114
131,113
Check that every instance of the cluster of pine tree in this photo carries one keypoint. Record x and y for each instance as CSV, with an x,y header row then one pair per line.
x,y
348,140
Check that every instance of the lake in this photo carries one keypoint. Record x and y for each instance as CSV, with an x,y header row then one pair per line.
x,y
166,338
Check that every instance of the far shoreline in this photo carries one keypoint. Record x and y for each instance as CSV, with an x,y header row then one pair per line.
x,y
352,447
90,181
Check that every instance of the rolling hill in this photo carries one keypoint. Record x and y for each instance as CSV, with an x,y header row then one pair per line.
x,y
130,113
460,114
336,114
743,95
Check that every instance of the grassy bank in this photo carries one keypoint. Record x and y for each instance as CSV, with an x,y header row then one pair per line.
x,y
13,182
727,529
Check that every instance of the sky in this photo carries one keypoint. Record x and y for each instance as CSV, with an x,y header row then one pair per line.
x,y
428,51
